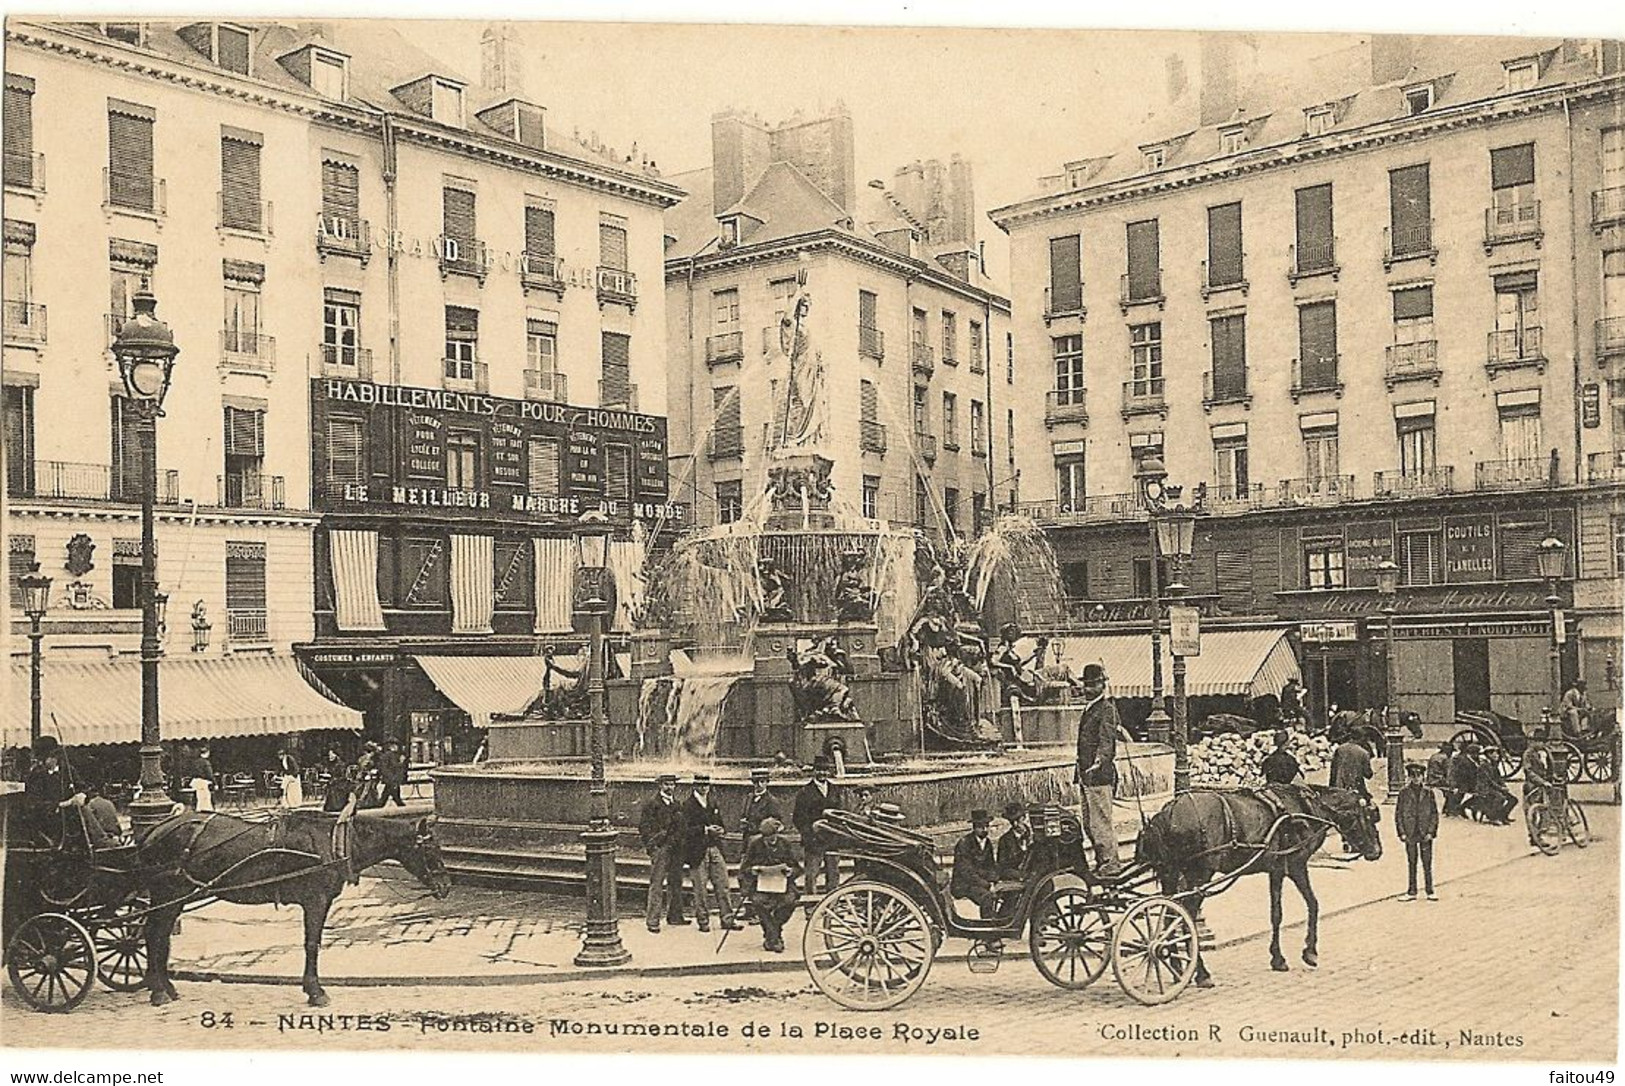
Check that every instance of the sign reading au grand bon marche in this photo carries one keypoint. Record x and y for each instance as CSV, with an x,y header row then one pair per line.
x,y
528,459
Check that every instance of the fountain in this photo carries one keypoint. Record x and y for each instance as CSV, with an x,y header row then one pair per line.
x,y
803,629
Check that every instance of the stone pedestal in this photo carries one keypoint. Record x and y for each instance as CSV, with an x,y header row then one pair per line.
x,y
860,642
651,654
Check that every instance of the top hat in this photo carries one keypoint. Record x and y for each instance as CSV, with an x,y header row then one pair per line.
x,y
666,778
980,817
1094,673
823,762
702,779
760,773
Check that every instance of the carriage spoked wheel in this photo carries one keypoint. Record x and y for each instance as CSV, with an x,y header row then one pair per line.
x,y
1543,829
1599,764
868,946
121,948
1071,939
1507,763
1154,949
52,962
1575,770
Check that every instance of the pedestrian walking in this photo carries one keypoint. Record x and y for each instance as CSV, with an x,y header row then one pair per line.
x,y
293,789
391,774
202,782
702,855
816,796
1096,769
660,825
1416,820
1351,767
771,874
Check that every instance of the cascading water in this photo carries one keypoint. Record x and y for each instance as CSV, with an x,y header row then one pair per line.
x,y
698,713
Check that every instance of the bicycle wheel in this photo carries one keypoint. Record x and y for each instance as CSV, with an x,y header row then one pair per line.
x,y
1579,829
1542,833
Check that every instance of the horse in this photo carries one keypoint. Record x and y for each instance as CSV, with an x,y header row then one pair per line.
x,y
296,858
1202,835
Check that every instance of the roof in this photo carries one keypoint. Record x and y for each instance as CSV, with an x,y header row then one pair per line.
x,y
1247,663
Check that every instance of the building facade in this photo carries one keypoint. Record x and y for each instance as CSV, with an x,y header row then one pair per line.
x,y
1361,312
912,337
373,268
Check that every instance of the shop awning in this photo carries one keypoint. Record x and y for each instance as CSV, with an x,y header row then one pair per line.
x,y
485,685
99,701
1249,663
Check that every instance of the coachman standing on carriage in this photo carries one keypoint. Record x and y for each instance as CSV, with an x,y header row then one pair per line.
x,y
1097,767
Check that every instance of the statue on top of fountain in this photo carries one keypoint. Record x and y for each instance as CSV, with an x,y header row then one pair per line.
x,y
802,416
775,584
818,683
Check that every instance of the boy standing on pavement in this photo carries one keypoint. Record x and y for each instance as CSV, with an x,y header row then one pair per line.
x,y
1416,820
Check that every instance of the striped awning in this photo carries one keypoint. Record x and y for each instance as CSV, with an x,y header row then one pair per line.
x,y
99,701
1233,662
484,685
355,579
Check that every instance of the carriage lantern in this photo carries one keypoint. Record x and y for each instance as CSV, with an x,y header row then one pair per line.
x,y
1393,735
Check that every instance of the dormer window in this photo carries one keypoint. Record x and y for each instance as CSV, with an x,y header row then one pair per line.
x,y
1233,140
1075,176
446,103
521,121
228,45
1522,74
328,72
1317,121
1152,158
730,231
1418,99
128,33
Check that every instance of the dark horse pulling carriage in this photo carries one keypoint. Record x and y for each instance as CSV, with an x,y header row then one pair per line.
x,y
84,913
870,942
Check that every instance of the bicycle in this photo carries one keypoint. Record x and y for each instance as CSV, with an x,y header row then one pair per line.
x,y
1544,832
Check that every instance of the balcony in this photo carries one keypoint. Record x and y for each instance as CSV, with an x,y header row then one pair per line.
x,y
1515,348
1607,206
1135,290
950,443
1606,467
1525,474
726,443
1068,305
624,398
247,351
547,387
253,217
1506,223
343,236
925,446
1213,283
134,194
250,490
354,363
1412,362
247,625
25,173
540,271
1144,397
871,436
724,347
463,256
1228,389
924,359
1311,260
1237,499
871,342
978,361
1098,507
24,323
1316,490
89,482
464,376
1610,337
1319,377
617,286
1410,242
1417,483
1066,405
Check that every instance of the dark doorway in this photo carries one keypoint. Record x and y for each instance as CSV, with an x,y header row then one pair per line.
x,y
1472,674
1330,679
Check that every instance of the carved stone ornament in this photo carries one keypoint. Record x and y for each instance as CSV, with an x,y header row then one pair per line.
x,y
78,596
80,549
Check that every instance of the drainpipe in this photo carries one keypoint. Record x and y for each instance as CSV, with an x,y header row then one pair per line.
x,y
391,257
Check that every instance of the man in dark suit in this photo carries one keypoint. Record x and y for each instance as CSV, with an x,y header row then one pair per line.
x,y
702,855
660,824
975,868
816,796
770,874
1015,845
759,804
1097,768
1416,820
391,773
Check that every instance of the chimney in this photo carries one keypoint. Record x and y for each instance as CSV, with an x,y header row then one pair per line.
x,y
1228,63
1392,57
961,202
740,151
502,70
822,149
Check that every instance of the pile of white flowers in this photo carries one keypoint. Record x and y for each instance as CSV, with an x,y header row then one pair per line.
x,y
1234,761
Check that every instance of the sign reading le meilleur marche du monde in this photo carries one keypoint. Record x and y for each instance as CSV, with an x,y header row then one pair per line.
x,y
582,457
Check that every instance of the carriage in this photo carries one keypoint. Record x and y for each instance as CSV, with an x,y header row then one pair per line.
x,y
1590,755
870,942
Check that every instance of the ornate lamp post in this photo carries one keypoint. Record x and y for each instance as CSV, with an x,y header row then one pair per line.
x,y
1153,477
1176,531
1393,735
595,602
1550,560
145,349
36,592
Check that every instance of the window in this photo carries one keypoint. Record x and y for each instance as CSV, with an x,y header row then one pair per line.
x,y
1069,482
1068,368
871,496
463,459
1075,579
1512,188
1619,546
422,572
18,418
513,575
1419,558
341,201
1144,280
923,513
730,501
1613,296
727,435
1009,358
612,244
1141,448
1521,74
1520,435
1417,446
921,414
125,282
232,49
950,506
1418,99
327,75
245,592
242,328
1224,260
17,112
1232,140
950,421
128,33
782,292
1065,275
730,231
540,238
446,102
1517,318
615,378
1153,158
1142,576
126,480
1410,212
1230,467
245,453
341,328
126,574
1010,437
871,435
1613,157
918,329
462,343
541,346
1413,316
1075,176
978,363
20,559
1320,456
1229,341
130,182
1315,245
725,310
1317,345
542,457
459,222
346,452
1318,120
17,279
869,341
1145,358
1323,564
240,207
950,339
978,429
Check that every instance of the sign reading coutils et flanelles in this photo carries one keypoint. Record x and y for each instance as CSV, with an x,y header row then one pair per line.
x,y
1469,548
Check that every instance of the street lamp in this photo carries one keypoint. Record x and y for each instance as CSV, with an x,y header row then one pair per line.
x,y
145,350
1550,559
36,592
594,602
1176,532
200,627
1393,735
1153,476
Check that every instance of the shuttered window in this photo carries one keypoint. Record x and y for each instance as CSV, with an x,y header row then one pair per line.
x,y
1224,245
1317,344
18,112
240,206
514,580
245,432
1234,576
615,388
543,456
868,402
126,470
612,246
1512,166
341,194
1229,335
1520,536
245,576
867,304
618,472
18,422
1413,302
458,208
1410,210
346,452
1065,274
1144,259
1419,558
129,158
1314,228
539,231
725,407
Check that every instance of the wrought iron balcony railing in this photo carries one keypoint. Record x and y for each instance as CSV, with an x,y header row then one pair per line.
x,y
1317,375
247,624
872,436
617,286
1408,242
1608,205
1066,405
1304,261
24,322
1235,498
461,376
142,194
345,236
726,443
923,358
925,445
1225,388
1226,278
1079,510
1610,336
253,217
463,256
1415,483
724,347
339,360
250,490
1144,396
540,271
1513,348
1517,221
1518,474
1606,467
1315,490
247,350
1140,289
92,482
1067,305
24,173
1412,362
871,342
624,398
548,386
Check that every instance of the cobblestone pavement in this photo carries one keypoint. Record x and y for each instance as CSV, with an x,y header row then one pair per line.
x,y
1516,963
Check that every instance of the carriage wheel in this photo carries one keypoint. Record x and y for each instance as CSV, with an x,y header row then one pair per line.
x,y
1071,939
1599,764
1154,950
868,946
1579,829
1543,830
121,949
1507,763
1576,766
52,962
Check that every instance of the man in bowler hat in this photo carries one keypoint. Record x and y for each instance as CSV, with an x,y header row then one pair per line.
x,y
660,824
816,796
1097,768
975,869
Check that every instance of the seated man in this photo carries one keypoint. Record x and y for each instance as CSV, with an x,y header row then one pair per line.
x,y
1490,796
102,823
770,876
975,867
1015,848
1281,768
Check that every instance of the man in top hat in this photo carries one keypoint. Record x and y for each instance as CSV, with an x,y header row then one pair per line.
x,y
660,824
1416,820
770,874
816,796
1015,846
702,855
49,789
1097,768
1464,780
975,868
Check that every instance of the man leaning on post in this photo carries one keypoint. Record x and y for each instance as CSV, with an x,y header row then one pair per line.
x,y
1097,769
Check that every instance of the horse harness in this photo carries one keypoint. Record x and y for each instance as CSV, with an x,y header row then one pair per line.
x,y
189,852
